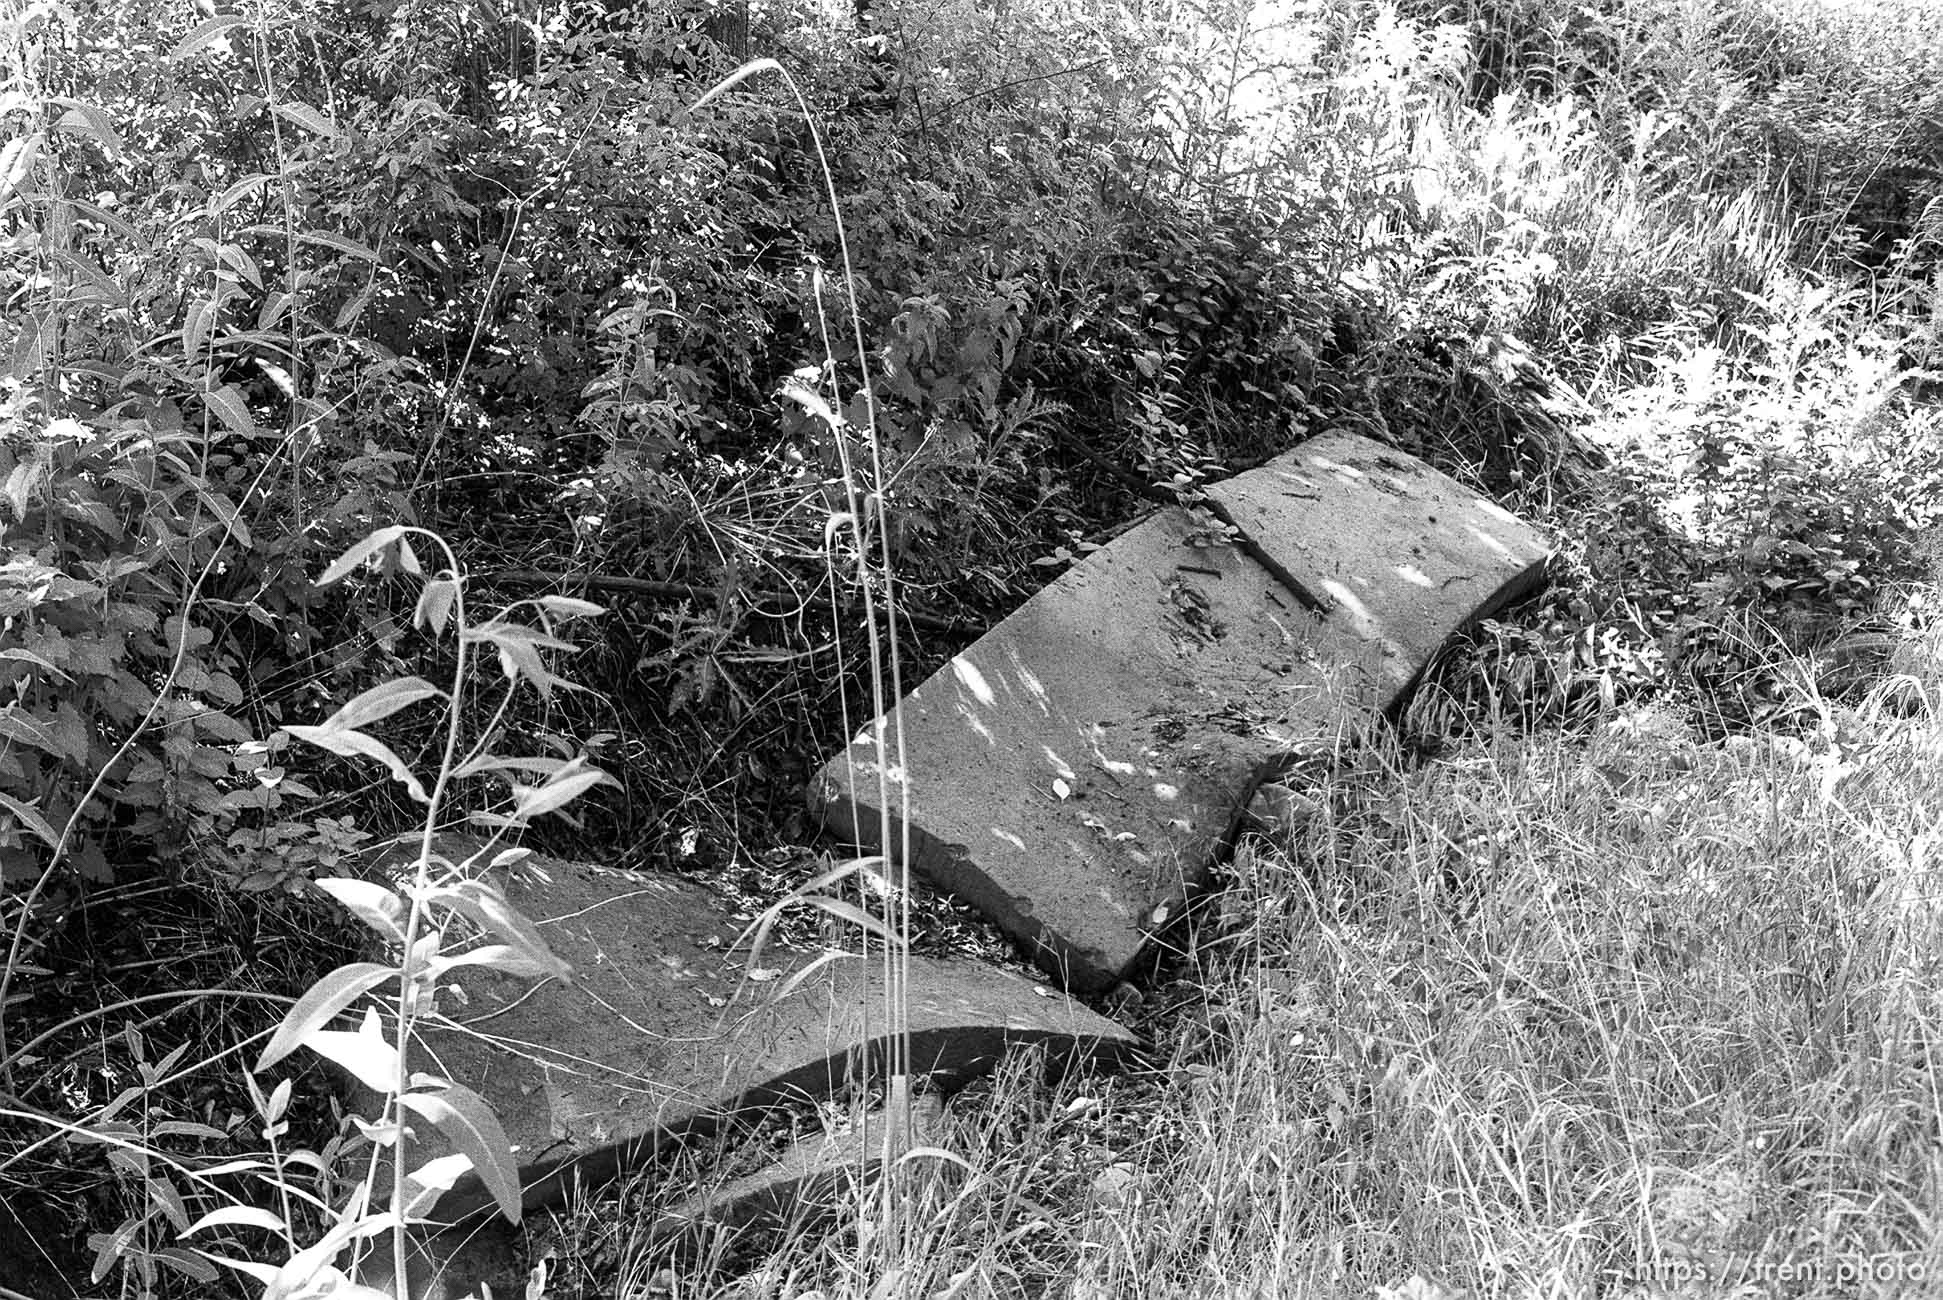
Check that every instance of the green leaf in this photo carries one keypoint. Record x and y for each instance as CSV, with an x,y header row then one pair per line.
x,y
84,118
372,904
487,908
307,117
469,1124
198,323
519,649
380,702
495,956
311,1266
17,158
566,607
163,1195
360,551
207,33
435,604
561,789
521,763
364,1053
189,1263
263,1273
350,743
230,409
239,191
31,818
319,1005
349,247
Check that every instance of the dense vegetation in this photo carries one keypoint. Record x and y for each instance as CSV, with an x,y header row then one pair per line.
x,y
1614,945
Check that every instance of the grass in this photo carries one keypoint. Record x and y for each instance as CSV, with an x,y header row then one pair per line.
x,y
1614,1012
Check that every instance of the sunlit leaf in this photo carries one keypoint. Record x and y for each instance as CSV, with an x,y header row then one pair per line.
x,y
372,904
381,702
86,119
236,1216
206,34
364,1053
541,763
519,648
488,909
469,1124
560,789
349,247
495,956
360,551
237,191
17,158
264,1273
310,1272
307,117
352,743
435,603
321,1003
566,607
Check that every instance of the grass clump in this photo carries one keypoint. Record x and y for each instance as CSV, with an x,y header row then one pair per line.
x,y
1613,1011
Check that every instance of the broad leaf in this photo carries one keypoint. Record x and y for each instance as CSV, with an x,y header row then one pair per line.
x,y
30,818
349,743
435,603
312,1266
487,908
360,551
239,191
206,34
561,789
540,763
372,904
365,1053
229,408
17,158
469,1124
495,956
381,702
432,1180
328,239
86,119
236,1216
519,649
566,607
264,1273
306,117
320,1003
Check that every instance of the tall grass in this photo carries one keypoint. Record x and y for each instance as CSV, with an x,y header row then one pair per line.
x,y
1547,1017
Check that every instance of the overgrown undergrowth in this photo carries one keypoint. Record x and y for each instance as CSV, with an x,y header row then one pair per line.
x,y
1614,1012
1615,963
